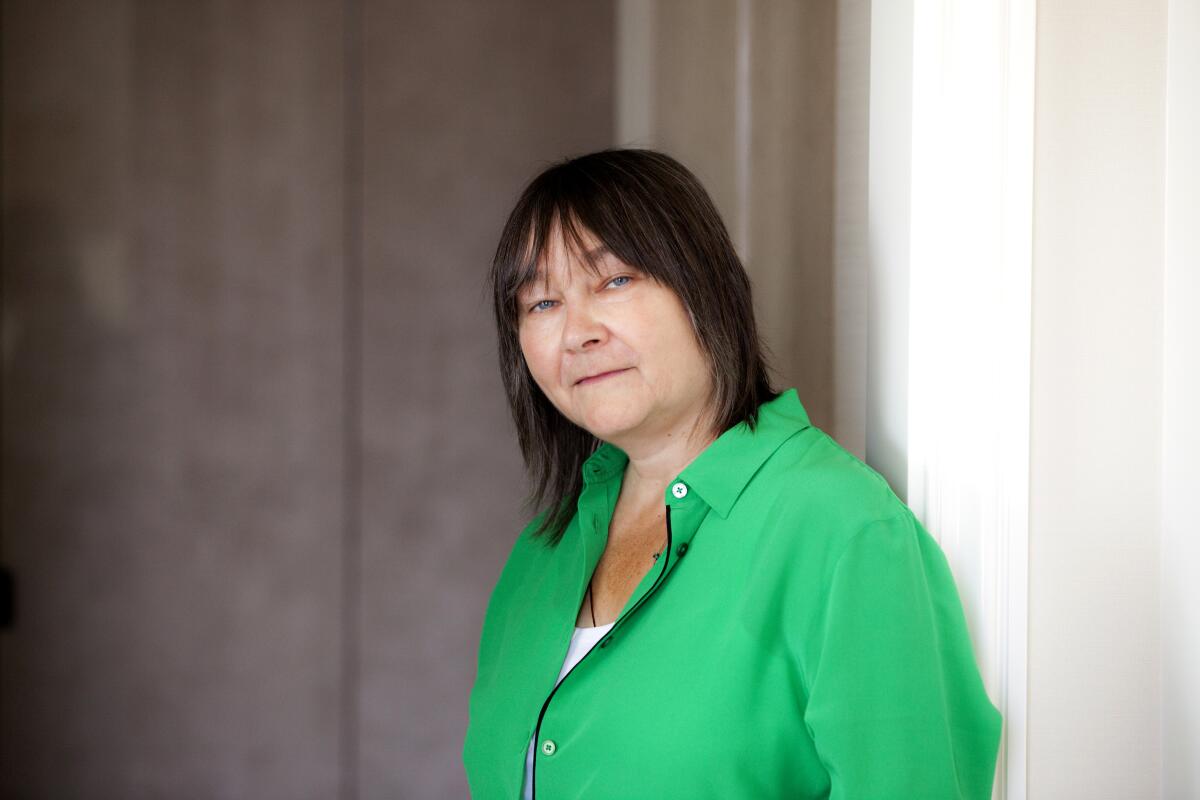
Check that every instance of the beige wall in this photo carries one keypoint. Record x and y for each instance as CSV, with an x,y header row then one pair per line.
x,y
1094,638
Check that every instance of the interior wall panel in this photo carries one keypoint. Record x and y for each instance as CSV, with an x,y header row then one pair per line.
x,y
172,399
745,95
463,103
192,348
792,119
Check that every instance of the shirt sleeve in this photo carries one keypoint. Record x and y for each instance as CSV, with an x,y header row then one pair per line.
x,y
897,707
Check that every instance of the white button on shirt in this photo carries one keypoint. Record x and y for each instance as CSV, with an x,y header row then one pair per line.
x,y
582,640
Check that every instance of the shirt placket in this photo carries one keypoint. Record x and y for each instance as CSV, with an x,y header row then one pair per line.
x,y
685,512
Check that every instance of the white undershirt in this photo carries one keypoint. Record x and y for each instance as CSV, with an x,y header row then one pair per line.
x,y
582,640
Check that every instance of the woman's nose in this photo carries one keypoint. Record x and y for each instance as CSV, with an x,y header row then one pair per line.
x,y
582,327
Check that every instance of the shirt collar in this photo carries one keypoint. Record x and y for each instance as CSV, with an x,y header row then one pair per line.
x,y
722,470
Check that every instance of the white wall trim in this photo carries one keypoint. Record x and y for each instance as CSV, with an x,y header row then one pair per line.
x,y
969,356
1180,566
889,165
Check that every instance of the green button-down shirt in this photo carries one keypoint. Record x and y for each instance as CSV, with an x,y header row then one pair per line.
x,y
801,637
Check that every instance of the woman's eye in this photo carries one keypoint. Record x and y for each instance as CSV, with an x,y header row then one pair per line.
x,y
540,306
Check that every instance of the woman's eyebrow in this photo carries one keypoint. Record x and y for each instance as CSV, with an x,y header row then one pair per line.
x,y
598,252
531,286
538,278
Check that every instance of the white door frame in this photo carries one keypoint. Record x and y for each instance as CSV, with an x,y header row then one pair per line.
x,y
950,212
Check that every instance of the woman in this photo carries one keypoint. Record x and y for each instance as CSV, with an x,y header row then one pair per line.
x,y
714,598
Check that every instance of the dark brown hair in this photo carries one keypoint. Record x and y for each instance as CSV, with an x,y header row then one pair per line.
x,y
652,213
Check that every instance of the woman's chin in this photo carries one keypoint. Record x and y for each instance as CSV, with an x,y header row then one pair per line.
x,y
610,424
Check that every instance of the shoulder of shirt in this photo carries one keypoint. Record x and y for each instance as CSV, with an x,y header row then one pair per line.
x,y
812,478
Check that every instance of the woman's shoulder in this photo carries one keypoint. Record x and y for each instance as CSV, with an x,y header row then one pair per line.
x,y
535,557
823,488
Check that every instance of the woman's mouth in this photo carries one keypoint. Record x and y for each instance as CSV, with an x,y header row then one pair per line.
x,y
602,376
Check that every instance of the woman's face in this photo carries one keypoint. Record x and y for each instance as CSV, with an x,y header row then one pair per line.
x,y
623,326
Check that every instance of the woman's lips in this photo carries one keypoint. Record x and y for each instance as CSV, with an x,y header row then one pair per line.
x,y
602,376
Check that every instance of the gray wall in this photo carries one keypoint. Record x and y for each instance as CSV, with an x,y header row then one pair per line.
x,y
766,103
258,476
465,101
